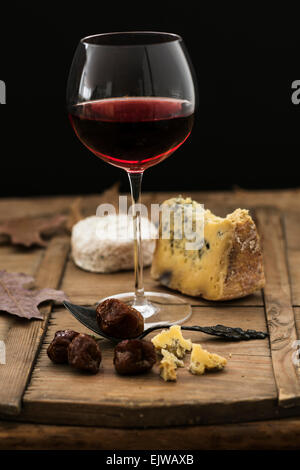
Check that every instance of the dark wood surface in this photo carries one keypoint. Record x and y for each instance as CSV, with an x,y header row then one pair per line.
x,y
22,338
259,383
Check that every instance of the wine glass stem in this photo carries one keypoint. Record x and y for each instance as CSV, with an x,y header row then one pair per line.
x,y
135,180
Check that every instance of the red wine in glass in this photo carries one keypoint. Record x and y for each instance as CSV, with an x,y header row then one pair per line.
x,y
131,98
133,133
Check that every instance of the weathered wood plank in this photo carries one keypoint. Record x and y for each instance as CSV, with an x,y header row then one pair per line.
x,y
64,396
282,199
86,288
279,310
283,434
16,259
297,320
292,235
23,338
59,394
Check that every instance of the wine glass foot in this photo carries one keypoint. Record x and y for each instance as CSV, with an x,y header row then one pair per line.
x,y
157,308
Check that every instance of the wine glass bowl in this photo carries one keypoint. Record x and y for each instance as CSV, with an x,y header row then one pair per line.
x,y
133,133
131,102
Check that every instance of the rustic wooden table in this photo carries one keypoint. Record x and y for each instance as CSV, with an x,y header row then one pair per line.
x,y
253,404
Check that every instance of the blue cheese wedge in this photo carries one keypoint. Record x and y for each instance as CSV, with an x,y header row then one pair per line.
x,y
202,360
228,265
173,341
168,366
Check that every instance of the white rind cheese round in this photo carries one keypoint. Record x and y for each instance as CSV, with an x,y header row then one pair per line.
x,y
228,266
105,244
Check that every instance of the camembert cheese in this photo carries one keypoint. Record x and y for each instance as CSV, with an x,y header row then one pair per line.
x,y
168,366
229,264
173,341
202,360
105,244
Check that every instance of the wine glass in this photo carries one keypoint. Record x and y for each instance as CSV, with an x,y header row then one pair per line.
x,y
131,101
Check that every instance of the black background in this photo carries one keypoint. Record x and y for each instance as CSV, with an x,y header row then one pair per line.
x,y
247,130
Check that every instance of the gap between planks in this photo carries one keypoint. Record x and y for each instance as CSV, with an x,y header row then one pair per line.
x,y
24,339
291,225
282,306
278,306
60,394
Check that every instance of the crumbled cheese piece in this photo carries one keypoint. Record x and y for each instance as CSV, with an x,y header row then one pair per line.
x,y
173,341
168,370
202,360
168,365
170,356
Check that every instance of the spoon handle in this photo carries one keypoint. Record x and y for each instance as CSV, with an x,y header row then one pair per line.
x,y
226,332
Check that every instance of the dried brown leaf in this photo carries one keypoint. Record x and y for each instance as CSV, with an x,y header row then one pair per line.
x,y
21,301
27,231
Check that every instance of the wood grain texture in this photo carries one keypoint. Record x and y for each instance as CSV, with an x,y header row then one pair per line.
x,y
282,199
283,434
297,320
59,394
292,236
22,337
279,310
97,286
246,390
15,259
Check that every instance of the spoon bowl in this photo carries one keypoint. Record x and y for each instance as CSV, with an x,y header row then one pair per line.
x,y
87,316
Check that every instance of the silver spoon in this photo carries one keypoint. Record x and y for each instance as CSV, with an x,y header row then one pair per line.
x,y
87,316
